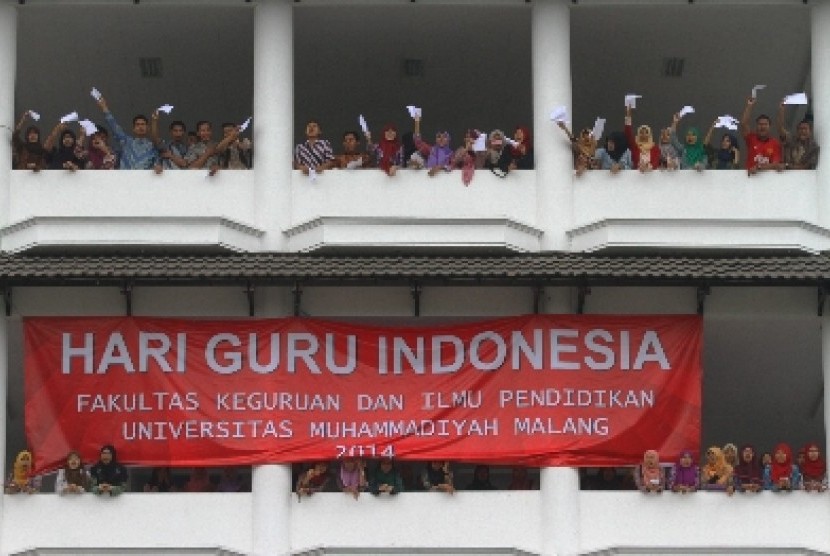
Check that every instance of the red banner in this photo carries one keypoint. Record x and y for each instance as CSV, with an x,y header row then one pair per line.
x,y
573,390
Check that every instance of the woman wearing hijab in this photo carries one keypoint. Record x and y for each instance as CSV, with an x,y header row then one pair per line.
x,y
497,157
645,153
466,158
21,479
108,476
584,148
29,154
649,475
726,156
716,474
386,478
782,473
685,476
72,477
691,151
437,477
522,149
69,154
615,156
352,477
749,475
441,154
814,469
99,155
387,152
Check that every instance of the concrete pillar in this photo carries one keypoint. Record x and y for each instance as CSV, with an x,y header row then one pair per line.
x,y
825,367
551,45
559,485
273,116
271,490
820,19
4,388
8,72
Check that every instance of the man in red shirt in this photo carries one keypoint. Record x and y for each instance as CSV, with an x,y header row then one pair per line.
x,y
763,152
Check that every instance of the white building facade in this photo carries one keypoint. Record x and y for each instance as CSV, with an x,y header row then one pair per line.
x,y
745,252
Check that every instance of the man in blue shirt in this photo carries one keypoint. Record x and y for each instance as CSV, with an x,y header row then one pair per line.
x,y
137,151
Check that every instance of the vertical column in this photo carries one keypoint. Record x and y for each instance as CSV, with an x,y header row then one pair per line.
x,y
271,491
4,380
273,117
559,485
820,19
825,368
8,72
551,42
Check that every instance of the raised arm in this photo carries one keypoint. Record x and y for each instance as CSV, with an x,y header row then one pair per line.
x,y
154,128
707,140
50,141
779,121
750,102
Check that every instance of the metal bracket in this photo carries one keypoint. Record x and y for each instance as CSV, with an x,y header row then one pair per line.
x,y
582,292
538,296
415,292
822,296
7,300
249,292
127,292
702,292
298,295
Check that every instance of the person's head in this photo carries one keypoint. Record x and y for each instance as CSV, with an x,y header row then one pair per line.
x,y
782,454
747,454
686,458
692,136
386,465
32,134
227,128
766,458
73,460
762,124
726,142
651,458
644,134
349,464
496,140
714,455
177,131
813,452
23,460
390,132
665,135
140,125
98,140
802,457
204,131
67,139
442,138
803,131
192,138
312,129
351,141
107,454
730,452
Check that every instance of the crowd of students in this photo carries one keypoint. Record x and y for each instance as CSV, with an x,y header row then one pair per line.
x,y
731,470
627,150
144,149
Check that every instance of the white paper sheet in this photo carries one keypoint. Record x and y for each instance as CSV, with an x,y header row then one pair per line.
x,y
480,144
363,125
89,127
245,124
559,114
71,117
34,115
599,127
166,108
796,98
354,164
727,122
631,100
510,141
96,94
757,88
414,111
312,174
686,110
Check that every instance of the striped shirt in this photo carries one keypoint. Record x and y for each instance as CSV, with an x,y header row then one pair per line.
x,y
313,155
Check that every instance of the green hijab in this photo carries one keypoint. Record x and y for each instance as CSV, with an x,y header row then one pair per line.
x,y
693,154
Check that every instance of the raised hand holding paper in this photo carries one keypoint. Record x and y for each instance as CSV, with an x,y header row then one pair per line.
x,y
631,100
599,127
796,98
96,94
71,117
414,111
245,124
34,115
363,126
757,88
89,127
559,114
686,110
480,144
166,108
